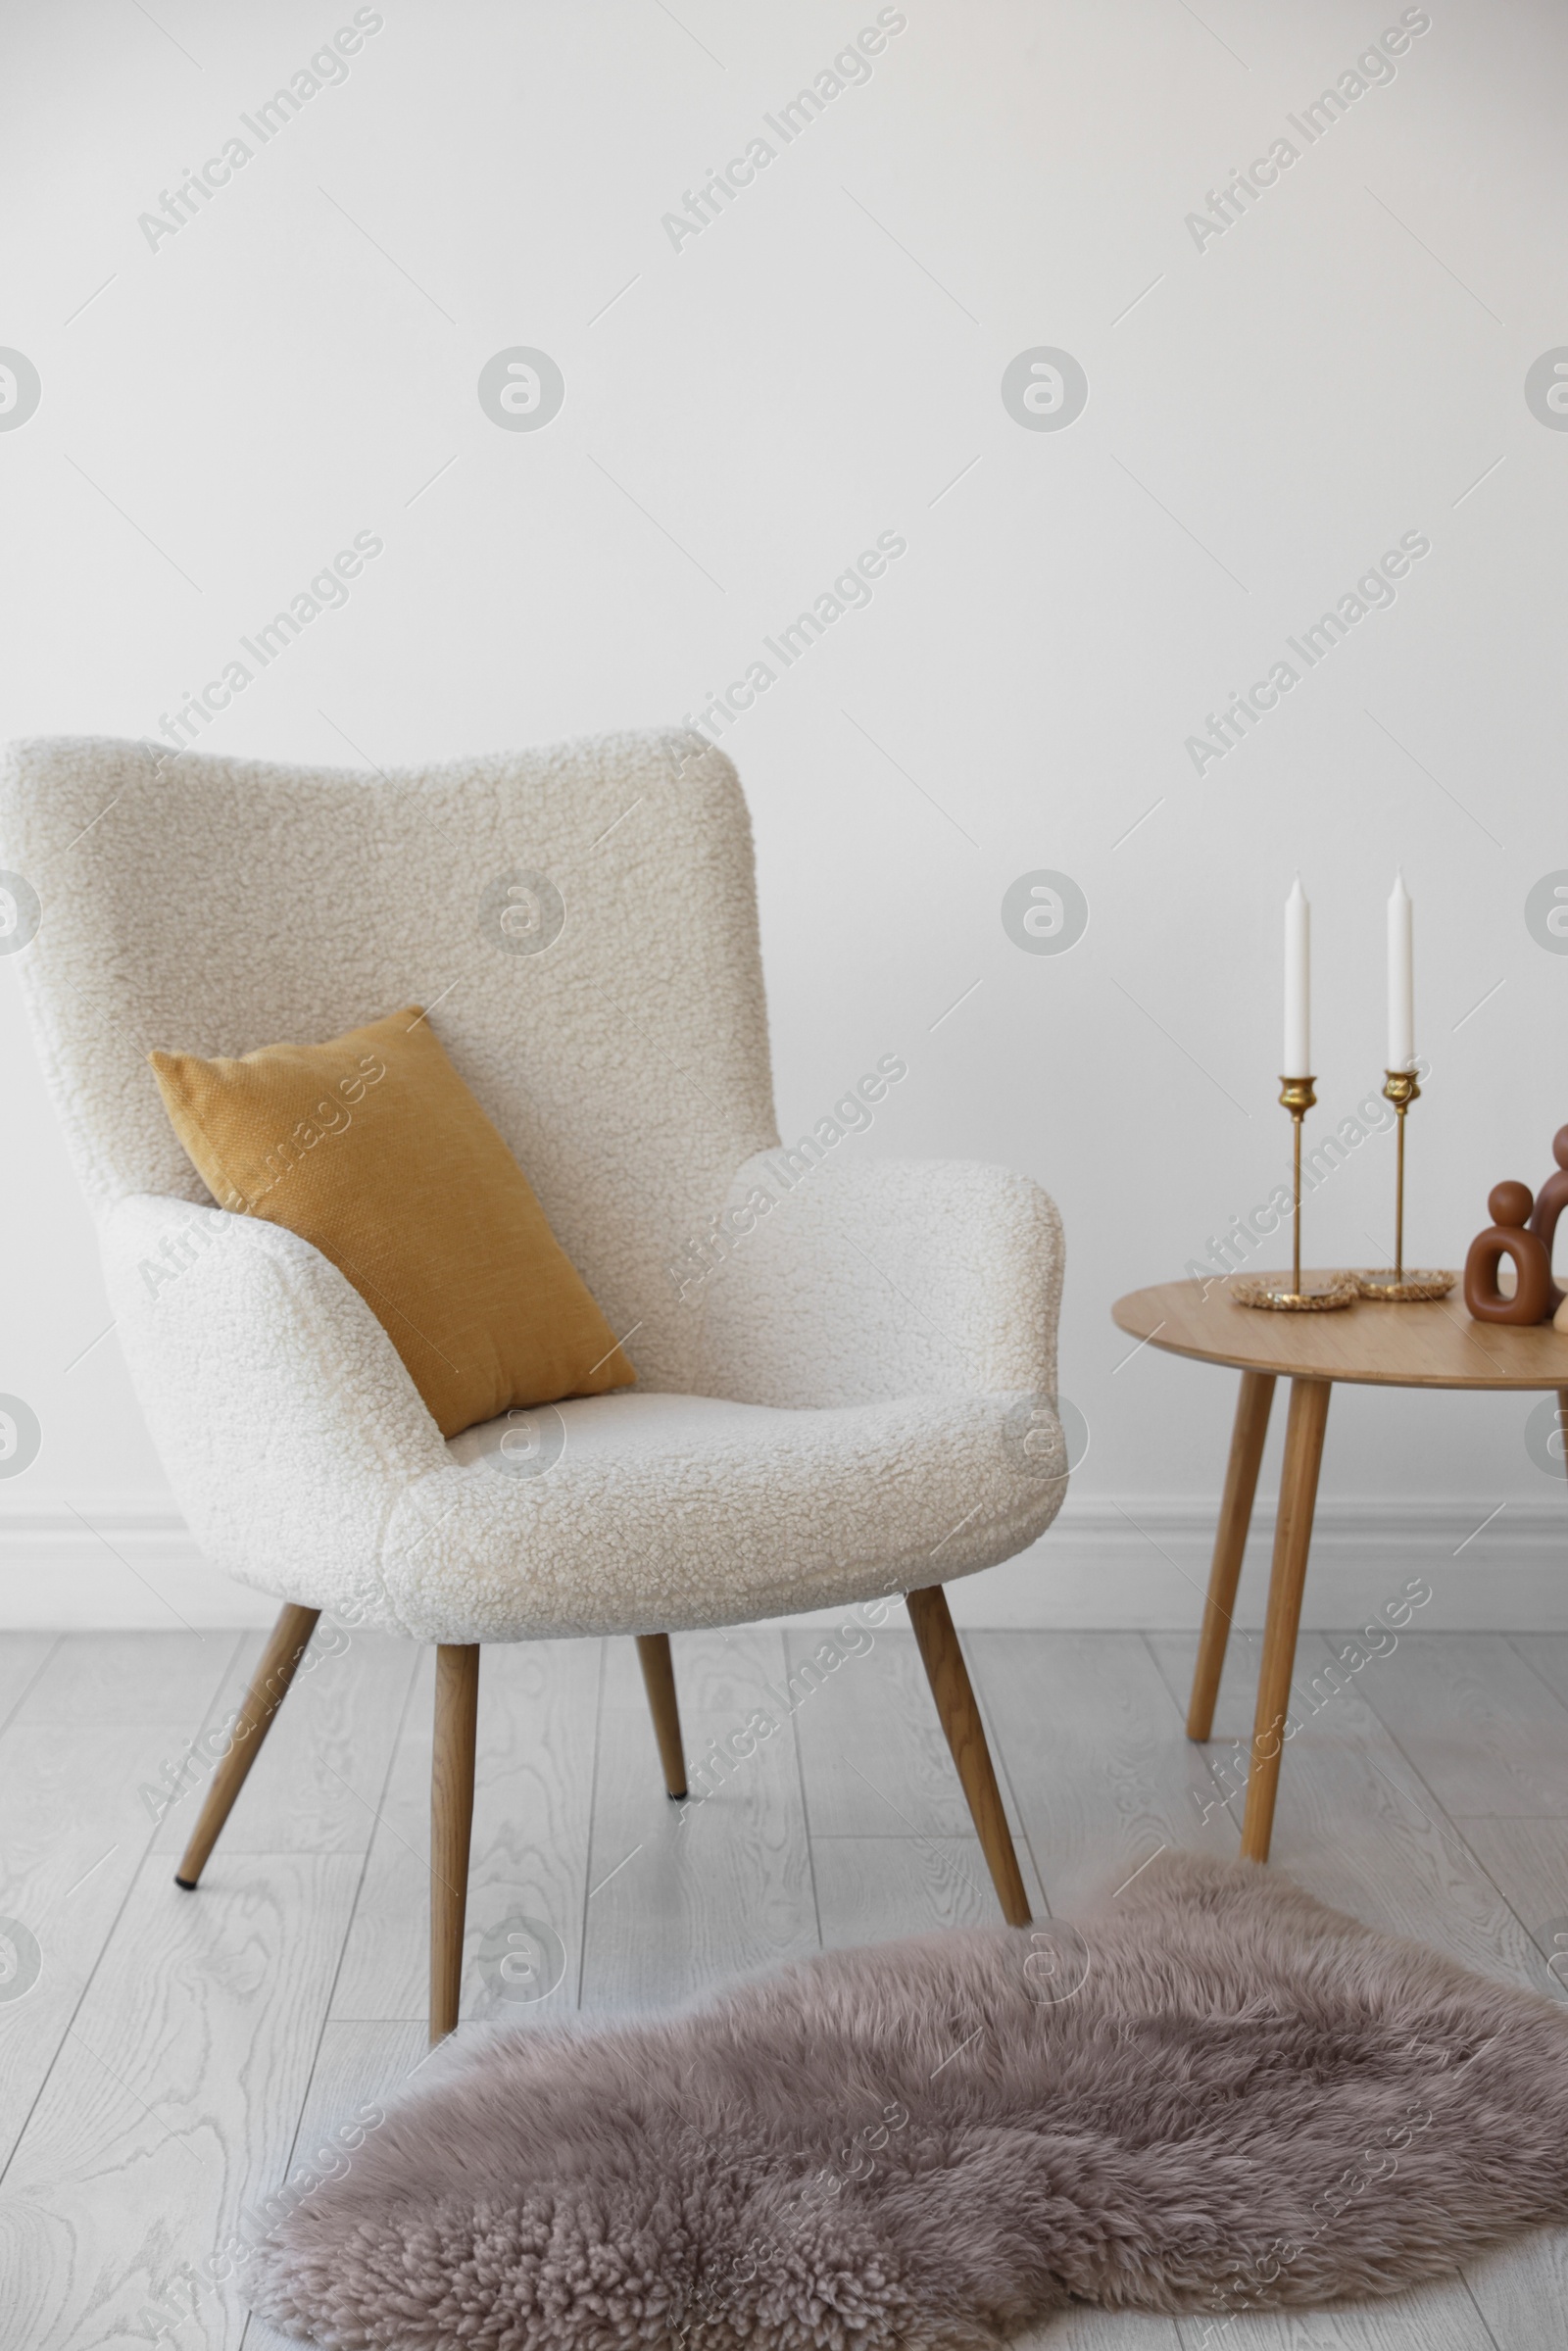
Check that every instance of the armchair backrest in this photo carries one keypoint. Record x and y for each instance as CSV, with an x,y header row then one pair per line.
x,y
579,920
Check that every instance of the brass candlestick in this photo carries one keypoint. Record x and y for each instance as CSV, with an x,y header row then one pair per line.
x,y
1298,1095
1400,1089
1398,1288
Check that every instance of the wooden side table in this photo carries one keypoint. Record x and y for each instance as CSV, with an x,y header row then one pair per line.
x,y
1434,1345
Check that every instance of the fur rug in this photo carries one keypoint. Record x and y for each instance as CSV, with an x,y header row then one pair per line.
x,y
1210,2096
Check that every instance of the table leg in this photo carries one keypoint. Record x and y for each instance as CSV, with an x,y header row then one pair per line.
x,y
1293,1537
1230,1544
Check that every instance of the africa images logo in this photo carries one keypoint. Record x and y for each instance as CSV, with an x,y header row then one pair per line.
x,y
520,388
20,389
1044,389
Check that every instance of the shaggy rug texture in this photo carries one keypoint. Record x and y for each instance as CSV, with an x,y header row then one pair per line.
x,y
1211,2096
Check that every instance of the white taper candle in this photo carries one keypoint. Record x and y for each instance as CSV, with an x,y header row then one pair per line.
x,y
1401,979
1297,985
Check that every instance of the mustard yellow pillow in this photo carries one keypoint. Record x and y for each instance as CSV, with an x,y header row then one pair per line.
x,y
372,1148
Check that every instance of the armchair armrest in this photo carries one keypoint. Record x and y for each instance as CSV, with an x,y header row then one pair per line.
x,y
881,1279
278,1405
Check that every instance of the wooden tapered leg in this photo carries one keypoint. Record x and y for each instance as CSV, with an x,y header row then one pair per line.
x,y
1293,1539
290,1638
658,1679
1230,1544
960,1715
457,1717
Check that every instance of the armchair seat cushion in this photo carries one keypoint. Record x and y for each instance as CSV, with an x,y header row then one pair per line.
x,y
650,1512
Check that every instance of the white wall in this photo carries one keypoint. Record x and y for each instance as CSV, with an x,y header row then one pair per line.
x,y
822,363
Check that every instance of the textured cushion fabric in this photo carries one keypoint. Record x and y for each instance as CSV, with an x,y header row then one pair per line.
x,y
581,920
884,1277
618,1043
707,1509
372,1148
308,1465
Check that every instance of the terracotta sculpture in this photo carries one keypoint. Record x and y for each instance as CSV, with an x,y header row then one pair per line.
x,y
1511,1234
1551,1202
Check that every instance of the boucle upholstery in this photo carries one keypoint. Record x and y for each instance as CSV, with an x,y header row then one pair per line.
x,y
822,1413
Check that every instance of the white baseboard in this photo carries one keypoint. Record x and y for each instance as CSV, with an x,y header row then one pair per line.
x,y
127,1563
112,1563
1146,1566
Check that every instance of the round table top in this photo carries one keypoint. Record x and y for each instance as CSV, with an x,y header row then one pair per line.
x,y
1433,1345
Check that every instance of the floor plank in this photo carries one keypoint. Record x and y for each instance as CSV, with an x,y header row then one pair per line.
x,y
1547,1654
1094,1751
1101,2331
684,1897
1354,1823
129,1678
22,1657
875,1889
176,2090
331,1738
1522,2293
1526,1862
360,2071
1482,1728
1434,2318
873,1757
528,1875
75,1825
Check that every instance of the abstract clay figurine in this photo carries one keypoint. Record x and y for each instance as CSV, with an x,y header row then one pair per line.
x,y
1510,1207
1551,1202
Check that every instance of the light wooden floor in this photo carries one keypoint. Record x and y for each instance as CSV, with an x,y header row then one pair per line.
x,y
179,2053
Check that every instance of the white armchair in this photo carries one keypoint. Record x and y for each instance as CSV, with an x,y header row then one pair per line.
x,y
845,1372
